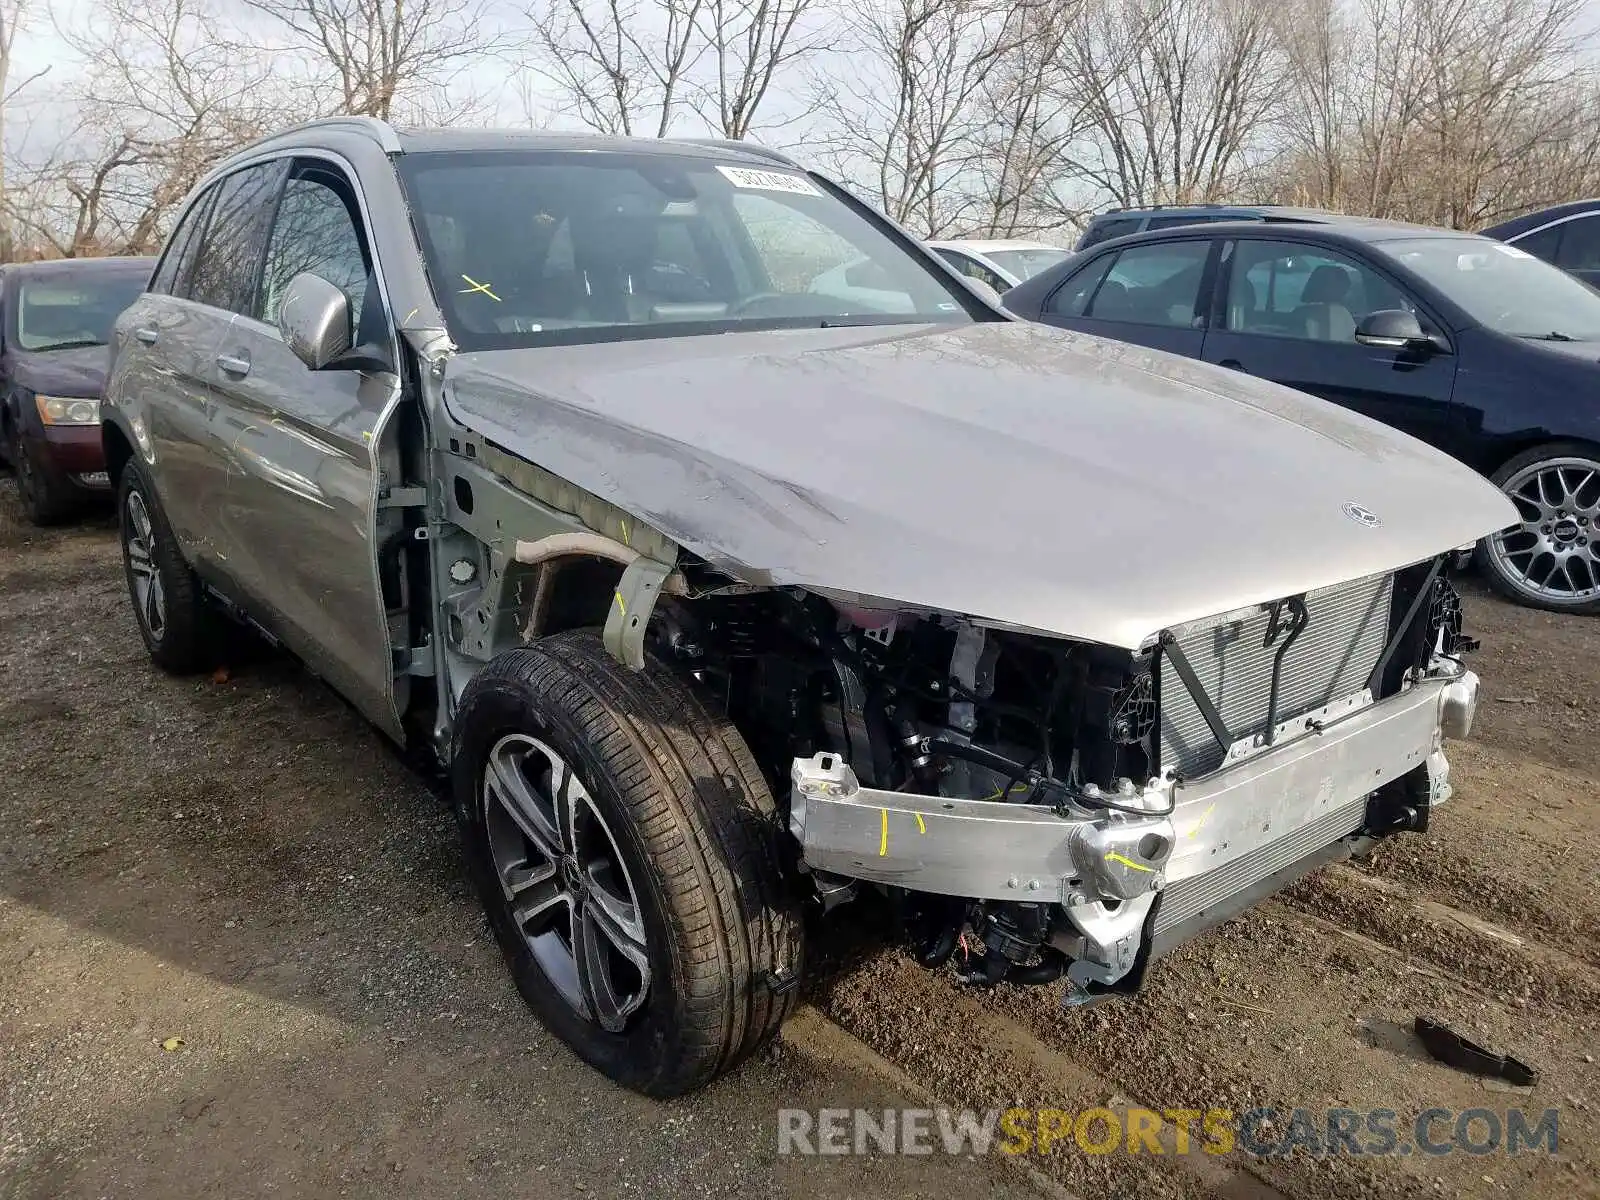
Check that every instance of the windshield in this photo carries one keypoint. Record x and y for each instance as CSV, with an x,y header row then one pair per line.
x,y
1025,264
56,314
545,247
1504,288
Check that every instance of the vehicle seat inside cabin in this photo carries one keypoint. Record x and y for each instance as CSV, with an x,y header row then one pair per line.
x,y
1322,312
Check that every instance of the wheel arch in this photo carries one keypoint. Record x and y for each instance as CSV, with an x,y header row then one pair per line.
x,y
1508,453
118,450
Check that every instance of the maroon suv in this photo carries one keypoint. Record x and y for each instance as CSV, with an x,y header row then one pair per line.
x,y
56,318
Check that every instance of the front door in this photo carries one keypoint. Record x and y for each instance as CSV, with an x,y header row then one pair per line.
x,y
1290,314
301,498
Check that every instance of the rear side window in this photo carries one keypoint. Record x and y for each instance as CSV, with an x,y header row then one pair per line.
x,y
972,269
1072,297
224,273
1104,231
1545,243
1154,285
1580,245
173,270
1199,219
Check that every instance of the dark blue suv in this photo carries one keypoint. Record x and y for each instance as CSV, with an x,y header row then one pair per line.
x,y
1117,222
1567,235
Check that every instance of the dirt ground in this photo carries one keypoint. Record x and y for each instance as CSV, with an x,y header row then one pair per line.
x,y
239,863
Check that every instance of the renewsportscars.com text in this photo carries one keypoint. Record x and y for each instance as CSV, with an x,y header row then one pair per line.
x,y
1263,1132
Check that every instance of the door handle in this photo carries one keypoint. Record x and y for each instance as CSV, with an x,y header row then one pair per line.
x,y
233,365
1233,364
147,335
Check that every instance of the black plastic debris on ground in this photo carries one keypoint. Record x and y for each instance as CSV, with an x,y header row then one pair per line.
x,y
1449,1047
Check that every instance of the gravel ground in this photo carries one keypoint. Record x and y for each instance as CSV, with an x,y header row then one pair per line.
x,y
240,864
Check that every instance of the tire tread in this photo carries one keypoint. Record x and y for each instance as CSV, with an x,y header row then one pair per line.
x,y
707,818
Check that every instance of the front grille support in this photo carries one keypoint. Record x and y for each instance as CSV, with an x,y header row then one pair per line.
x,y
1299,618
1401,629
1226,687
1167,643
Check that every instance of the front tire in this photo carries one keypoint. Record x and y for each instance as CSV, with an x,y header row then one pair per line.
x,y
47,496
1551,560
175,622
626,849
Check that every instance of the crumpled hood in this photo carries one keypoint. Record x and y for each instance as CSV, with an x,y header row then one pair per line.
x,y
1037,478
78,371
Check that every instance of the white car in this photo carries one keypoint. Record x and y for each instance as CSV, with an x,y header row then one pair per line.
x,y
1001,264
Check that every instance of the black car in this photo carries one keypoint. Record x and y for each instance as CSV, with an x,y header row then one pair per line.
x,y
1471,345
55,320
1567,235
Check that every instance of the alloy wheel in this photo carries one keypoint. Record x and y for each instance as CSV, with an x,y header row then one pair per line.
x,y
148,594
1553,555
564,880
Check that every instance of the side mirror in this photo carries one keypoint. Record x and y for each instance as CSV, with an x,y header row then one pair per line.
x,y
314,318
1394,328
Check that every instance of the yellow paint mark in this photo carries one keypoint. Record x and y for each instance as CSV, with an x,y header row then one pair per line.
x,y
1113,856
625,540
409,315
477,287
1015,787
1195,832
921,828
366,435
883,836
621,607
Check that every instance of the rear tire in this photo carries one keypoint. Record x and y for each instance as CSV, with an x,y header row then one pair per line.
x,y
1551,560
177,625
690,856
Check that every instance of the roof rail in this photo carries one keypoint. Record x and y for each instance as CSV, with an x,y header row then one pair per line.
x,y
755,149
379,131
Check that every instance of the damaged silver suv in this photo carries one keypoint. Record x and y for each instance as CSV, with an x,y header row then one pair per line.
x,y
737,557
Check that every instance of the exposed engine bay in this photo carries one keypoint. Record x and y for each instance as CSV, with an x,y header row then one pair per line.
x,y
1025,796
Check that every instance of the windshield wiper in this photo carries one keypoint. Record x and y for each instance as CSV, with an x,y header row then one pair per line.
x,y
72,345
1556,336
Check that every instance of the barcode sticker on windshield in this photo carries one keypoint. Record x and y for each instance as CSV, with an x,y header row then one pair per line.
x,y
769,181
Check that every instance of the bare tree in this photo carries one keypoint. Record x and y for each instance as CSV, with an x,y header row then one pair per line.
x,y
1453,112
1322,99
751,42
13,14
167,88
1180,92
1030,117
906,122
388,56
620,66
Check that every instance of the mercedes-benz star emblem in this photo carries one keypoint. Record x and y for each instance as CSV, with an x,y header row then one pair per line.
x,y
1362,516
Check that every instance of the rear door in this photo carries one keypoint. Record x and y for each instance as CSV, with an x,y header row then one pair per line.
x,y
1152,294
1289,312
301,499
162,372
